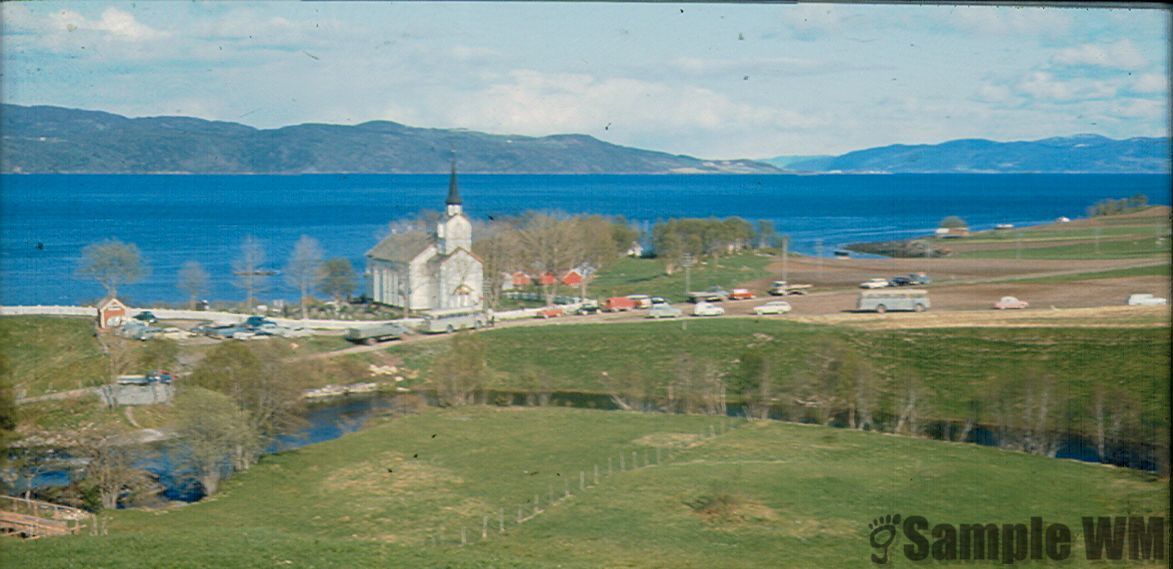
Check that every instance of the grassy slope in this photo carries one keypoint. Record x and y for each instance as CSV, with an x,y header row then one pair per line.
x,y
51,354
646,276
1121,237
805,496
956,364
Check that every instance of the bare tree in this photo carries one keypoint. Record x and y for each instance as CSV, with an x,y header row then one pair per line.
x,y
248,269
304,269
460,374
550,245
498,245
110,467
112,263
212,428
193,280
338,279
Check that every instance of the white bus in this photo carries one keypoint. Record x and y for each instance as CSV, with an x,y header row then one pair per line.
x,y
884,300
448,320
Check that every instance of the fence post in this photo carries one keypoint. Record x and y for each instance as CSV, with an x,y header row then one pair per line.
x,y
519,516
581,480
657,455
501,520
566,487
634,460
608,466
463,537
596,474
712,431
537,505
550,490
485,528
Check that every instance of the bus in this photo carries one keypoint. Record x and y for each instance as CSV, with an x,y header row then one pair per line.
x,y
884,300
449,320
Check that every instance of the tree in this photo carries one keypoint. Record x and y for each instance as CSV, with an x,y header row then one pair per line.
x,y
953,222
338,279
499,247
460,373
550,245
766,233
7,407
110,467
304,268
211,427
193,280
112,263
248,270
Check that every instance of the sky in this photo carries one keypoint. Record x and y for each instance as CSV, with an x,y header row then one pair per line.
x,y
713,81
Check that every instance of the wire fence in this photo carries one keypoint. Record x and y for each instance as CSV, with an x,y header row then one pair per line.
x,y
498,524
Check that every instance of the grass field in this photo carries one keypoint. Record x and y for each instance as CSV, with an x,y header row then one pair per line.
x,y
1136,235
956,364
762,495
646,276
1148,271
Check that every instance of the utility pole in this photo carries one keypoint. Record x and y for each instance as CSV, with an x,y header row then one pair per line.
x,y
686,260
785,257
1018,245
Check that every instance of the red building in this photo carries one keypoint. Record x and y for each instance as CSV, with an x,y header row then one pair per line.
x,y
111,313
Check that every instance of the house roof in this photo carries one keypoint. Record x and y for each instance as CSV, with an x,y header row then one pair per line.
x,y
401,247
110,301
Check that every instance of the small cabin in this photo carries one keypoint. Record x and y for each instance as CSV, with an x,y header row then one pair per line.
x,y
111,313
952,232
572,278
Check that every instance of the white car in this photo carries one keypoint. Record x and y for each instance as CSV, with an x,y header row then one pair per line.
x,y
707,309
772,307
874,283
1146,300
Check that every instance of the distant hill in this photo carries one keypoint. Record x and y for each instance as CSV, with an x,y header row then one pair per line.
x,y
784,162
1085,153
44,139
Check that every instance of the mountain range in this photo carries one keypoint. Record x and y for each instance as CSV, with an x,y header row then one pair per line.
x,y
45,139
1083,153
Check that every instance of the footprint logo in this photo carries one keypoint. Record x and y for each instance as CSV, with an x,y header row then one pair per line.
x,y
883,534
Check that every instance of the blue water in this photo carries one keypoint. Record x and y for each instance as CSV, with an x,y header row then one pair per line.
x,y
174,219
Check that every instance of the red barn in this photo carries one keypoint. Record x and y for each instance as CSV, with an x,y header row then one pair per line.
x,y
111,313
547,279
521,280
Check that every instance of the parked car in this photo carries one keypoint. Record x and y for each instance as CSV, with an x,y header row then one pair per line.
x,y
1010,302
783,288
659,300
1145,299
920,278
587,309
712,294
254,322
551,312
772,307
874,283
664,311
146,316
899,281
741,294
706,309
619,304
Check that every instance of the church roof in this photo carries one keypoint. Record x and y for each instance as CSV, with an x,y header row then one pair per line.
x,y
453,190
401,247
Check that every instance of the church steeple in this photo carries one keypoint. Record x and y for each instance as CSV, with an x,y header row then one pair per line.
x,y
453,189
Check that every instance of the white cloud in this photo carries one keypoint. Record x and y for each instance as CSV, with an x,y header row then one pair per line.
x,y
1142,108
1119,55
113,23
1044,85
1151,83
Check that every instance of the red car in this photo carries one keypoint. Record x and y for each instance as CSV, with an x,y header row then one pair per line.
x,y
741,294
551,312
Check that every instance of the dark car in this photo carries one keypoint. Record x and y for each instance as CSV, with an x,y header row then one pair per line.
x,y
587,309
146,316
254,322
899,281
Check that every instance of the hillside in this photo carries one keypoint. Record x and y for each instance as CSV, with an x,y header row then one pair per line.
x,y
698,493
1085,153
44,139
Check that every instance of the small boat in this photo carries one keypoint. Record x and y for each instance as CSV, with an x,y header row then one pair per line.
x,y
1004,226
259,272
842,253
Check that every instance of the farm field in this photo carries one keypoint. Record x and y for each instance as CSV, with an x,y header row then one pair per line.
x,y
760,495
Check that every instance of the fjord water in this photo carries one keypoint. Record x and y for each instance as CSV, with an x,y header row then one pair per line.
x,y
45,220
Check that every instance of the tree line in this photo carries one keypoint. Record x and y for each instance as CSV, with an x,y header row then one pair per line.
x,y
113,263
1119,206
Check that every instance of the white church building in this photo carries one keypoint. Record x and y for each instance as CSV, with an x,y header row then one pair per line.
x,y
426,270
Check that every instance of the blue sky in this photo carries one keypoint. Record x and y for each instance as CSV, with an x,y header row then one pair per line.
x,y
716,81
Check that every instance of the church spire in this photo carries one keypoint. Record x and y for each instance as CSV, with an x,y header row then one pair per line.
x,y
453,190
